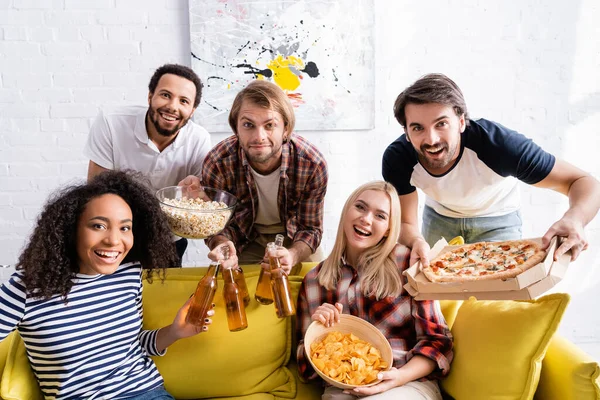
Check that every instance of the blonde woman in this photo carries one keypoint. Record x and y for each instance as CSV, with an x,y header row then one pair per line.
x,y
363,277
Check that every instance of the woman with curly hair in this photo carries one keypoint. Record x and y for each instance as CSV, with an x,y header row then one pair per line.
x,y
76,297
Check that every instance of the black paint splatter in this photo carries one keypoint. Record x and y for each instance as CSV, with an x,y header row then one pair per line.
x,y
264,50
335,78
242,48
311,69
211,106
208,62
255,71
210,78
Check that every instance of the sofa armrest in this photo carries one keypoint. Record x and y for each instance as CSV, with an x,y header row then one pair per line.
x,y
568,373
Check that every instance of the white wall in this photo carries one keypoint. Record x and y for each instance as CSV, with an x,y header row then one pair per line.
x,y
531,65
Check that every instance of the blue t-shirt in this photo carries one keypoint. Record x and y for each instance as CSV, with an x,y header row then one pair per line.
x,y
483,180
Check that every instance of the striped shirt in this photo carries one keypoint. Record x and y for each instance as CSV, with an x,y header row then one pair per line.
x,y
302,186
412,327
93,347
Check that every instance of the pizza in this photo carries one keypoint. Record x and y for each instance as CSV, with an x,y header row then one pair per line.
x,y
485,260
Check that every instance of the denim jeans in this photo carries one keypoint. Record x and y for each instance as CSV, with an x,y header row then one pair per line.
x,y
478,229
155,394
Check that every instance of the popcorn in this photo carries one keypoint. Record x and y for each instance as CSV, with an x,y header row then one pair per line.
x,y
185,222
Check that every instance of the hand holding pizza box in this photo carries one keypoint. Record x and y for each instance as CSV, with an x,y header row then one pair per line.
x,y
494,270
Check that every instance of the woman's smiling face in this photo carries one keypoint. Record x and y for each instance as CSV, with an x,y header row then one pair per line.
x,y
366,222
104,235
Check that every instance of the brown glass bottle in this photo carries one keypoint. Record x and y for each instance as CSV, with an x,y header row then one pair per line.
x,y
280,286
264,294
203,297
238,276
234,302
263,289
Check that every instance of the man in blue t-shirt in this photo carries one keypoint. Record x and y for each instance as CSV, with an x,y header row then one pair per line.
x,y
469,172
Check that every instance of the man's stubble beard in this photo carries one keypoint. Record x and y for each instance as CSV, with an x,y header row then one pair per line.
x,y
165,132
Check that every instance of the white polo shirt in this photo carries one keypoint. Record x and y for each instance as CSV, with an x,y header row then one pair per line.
x,y
118,140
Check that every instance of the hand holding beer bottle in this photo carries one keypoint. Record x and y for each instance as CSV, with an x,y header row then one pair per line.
x,y
238,276
203,297
280,286
263,293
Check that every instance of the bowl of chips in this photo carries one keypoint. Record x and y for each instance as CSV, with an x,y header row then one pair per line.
x,y
348,354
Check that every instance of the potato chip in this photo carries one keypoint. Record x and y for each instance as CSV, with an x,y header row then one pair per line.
x,y
347,359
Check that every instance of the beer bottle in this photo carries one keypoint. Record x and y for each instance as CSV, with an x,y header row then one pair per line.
x,y
264,294
234,302
280,286
238,276
203,297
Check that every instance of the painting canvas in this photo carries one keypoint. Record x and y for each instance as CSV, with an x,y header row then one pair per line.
x,y
319,52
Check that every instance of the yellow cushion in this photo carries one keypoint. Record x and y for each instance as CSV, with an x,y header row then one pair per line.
x,y
18,381
4,346
450,309
499,347
220,363
568,373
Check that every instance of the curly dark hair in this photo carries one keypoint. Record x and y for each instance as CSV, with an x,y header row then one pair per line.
x,y
179,70
50,260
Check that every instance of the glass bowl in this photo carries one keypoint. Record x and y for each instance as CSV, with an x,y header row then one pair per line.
x,y
196,214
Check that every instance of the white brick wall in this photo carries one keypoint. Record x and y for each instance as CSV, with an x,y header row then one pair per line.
x,y
529,65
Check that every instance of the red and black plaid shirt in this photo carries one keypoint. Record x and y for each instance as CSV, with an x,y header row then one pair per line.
x,y
412,327
302,187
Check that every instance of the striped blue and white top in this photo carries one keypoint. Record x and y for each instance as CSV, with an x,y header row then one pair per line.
x,y
93,347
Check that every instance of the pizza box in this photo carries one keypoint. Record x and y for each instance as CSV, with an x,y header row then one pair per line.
x,y
422,285
555,275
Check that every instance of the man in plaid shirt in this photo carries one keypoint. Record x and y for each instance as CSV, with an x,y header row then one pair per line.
x,y
279,179
412,327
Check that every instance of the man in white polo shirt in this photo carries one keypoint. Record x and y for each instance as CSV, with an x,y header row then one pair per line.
x,y
160,140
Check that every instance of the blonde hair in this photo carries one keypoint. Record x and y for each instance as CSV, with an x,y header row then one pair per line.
x,y
267,95
379,272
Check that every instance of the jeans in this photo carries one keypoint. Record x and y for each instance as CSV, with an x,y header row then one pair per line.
x,y
478,229
155,394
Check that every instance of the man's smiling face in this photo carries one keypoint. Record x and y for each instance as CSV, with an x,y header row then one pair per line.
x,y
171,105
434,130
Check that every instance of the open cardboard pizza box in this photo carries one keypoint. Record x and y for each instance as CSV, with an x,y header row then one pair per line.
x,y
527,285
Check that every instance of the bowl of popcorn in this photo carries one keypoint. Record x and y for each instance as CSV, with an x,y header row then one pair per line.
x,y
348,354
198,213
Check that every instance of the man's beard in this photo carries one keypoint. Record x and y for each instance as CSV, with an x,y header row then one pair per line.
x,y
428,163
260,159
264,158
162,131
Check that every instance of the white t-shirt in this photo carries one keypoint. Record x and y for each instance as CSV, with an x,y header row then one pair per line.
x,y
118,140
267,216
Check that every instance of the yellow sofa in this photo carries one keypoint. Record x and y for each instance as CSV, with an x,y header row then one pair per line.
x,y
257,363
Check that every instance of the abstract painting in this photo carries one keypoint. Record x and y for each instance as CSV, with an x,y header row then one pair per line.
x,y
319,52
